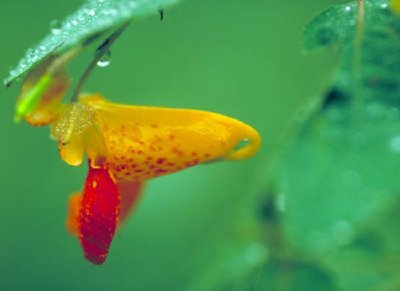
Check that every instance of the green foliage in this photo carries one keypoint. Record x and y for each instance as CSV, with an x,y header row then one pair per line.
x,y
232,267
329,218
370,66
87,24
331,181
291,275
341,170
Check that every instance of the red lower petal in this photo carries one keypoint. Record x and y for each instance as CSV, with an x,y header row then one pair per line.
x,y
98,214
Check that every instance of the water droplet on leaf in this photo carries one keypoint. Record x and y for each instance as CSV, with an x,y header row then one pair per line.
x,y
55,26
105,60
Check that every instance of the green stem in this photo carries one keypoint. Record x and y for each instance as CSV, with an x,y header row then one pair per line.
x,y
358,42
360,20
101,51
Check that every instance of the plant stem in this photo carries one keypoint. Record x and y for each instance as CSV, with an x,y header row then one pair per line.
x,y
357,58
360,21
101,51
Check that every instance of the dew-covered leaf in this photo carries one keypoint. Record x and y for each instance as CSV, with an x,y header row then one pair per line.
x,y
342,167
332,26
377,49
90,21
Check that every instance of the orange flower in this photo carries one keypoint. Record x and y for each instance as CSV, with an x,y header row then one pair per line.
x,y
128,145
125,146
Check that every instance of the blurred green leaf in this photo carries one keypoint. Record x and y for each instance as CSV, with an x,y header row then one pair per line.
x,y
342,167
370,66
291,275
371,260
233,264
89,22
333,26
339,172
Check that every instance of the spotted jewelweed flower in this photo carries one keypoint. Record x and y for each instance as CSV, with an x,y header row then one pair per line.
x,y
124,146
128,145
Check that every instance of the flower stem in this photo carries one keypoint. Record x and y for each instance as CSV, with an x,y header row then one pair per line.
x,y
360,20
357,57
359,31
101,51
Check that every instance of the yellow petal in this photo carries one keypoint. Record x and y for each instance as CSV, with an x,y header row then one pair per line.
x,y
145,142
72,151
69,131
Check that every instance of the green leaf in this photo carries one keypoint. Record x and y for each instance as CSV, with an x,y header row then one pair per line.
x,y
339,172
342,167
371,260
89,22
333,26
288,274
378,50
231,266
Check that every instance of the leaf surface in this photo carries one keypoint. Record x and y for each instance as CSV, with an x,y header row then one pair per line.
x,y
342,167
88,23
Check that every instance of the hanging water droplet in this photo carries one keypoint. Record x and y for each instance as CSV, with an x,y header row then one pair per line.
x,y
55,26
105,60
7,82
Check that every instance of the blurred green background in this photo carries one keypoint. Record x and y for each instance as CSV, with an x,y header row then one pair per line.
x,y
242,59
